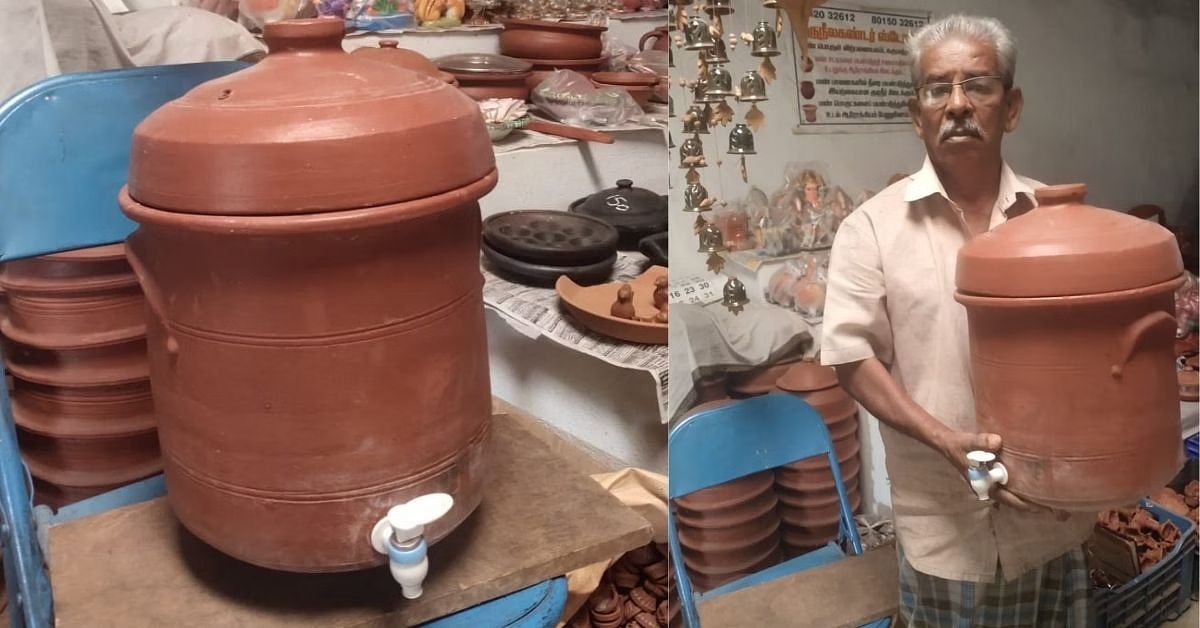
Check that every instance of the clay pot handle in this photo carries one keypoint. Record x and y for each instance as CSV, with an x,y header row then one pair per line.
x,y
1133,335
153,297
654,34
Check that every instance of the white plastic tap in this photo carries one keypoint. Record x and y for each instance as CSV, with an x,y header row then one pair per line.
x,y
985,472
399,535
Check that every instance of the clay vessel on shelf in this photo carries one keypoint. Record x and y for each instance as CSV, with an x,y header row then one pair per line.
x,y
541,39
660,37
316,330
1071,319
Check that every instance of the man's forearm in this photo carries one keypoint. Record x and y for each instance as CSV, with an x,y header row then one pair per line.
x,y
872,386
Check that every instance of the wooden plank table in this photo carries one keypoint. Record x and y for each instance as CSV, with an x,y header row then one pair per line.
x,y
850,592
540,518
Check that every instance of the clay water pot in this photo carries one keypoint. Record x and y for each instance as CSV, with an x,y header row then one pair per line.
x,y
72,299
1071,317
541,39
308,372
660,37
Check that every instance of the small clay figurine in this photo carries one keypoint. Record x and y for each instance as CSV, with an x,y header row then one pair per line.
x,y
660,293
623,306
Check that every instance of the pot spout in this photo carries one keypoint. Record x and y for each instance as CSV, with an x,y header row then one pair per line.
x,y
984,473
400,535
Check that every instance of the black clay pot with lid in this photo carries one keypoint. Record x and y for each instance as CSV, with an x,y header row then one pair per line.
x,y
635,212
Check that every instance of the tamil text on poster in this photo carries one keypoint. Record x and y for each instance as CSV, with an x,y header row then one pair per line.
x,y
856,76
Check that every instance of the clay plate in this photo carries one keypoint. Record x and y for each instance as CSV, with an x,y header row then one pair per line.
x,y
550,237
591,307
546,275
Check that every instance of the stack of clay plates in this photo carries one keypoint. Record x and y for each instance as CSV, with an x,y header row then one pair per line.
x,y
536,247
808,499
75,344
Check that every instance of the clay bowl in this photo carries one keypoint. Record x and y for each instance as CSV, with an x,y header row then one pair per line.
x,y
83,412
68,271
81,319
817,511
807,376
702,539
591,306
817,479
106,365
814,498
550,237
729,493
751,508
756,382
625,79
545,275
85,462
704,582
735,559
483,86
586,67
540,39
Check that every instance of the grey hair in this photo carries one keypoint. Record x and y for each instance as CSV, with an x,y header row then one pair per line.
x,y
986,29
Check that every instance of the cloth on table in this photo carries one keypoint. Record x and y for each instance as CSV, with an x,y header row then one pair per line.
x,y
706,339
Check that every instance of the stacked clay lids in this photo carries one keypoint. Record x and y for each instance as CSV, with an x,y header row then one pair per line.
x,y
536,246
637,591
808,498
75,342
729,530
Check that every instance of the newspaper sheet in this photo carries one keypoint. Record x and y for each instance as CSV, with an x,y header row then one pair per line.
x,y
537,312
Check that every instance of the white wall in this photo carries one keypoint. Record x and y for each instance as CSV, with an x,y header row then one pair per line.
x,y
1110,100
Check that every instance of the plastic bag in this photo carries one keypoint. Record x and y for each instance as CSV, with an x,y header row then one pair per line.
x,y
571,98
262,12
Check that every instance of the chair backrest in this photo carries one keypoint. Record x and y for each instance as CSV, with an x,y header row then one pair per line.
x,y
64,153
726,443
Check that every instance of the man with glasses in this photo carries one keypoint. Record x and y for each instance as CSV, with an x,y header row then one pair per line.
x,y
899,342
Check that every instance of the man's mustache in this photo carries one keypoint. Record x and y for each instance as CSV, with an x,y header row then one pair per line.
x,y
960,127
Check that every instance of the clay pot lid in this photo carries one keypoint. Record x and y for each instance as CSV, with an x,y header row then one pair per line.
x,y
309,129
1064,248
635,212
552,26
479,63
625,79
807,376
389,51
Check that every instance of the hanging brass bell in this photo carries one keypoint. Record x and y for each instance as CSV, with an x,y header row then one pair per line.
x,y
711,239
700,93
695,197
715,55
719,84
763,41
741,140
734,296
695,121
752,87
719,7
691,154
696,35
770,4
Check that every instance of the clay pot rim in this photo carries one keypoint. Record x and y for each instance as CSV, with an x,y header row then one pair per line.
x,y
743,565
103,253
90,479
625,79
306,223
52,376
767,480
1066,300
80,429
773,526
69,342
786,497
469,78
808,376
65,285
564,63
735,517
530,24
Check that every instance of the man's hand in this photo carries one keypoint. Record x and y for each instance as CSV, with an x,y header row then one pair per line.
x,y
956,445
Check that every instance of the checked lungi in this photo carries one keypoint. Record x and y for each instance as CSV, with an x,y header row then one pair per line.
x,y
1056,595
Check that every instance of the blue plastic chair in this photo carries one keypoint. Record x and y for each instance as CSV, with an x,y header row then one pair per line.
x,y
722,444
64,155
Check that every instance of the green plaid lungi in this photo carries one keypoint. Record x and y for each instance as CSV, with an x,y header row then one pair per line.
x,y
1056,595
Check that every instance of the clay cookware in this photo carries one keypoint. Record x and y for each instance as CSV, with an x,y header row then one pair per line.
x,y
545,275
484,76
635,212
540,39
586,67
660,37
592,307
550,237
1070,312
316,331
639,84
389,51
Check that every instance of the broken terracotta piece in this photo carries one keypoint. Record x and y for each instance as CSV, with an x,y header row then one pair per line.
x,y
592,306
1085,294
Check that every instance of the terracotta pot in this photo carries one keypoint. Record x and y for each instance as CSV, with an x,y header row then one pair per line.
x,y
699,538
1070,311
483,86
704,582
90,462
809,510
105,365
734,560
85,412
660,37
807,89
75,299
810,113
294,394
751,508
540,39
586,67
820,478
728,494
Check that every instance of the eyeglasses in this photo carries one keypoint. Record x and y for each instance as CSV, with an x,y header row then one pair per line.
x,y
980,90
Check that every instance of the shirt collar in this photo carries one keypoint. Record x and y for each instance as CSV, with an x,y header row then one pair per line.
x,y
925,183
